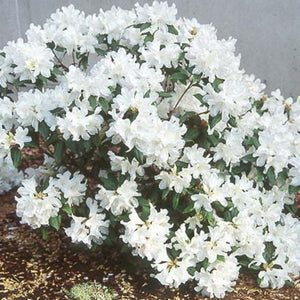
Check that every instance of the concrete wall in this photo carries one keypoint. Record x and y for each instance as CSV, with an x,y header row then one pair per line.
x,y
267,30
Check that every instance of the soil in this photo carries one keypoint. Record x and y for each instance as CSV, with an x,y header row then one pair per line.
x,y
32,268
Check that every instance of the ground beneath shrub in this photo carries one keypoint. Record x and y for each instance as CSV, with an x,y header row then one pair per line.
x,y
31,268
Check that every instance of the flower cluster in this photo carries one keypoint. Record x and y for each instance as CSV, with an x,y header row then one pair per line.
x,y
153,137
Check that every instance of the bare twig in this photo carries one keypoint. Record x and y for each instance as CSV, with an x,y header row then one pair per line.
x,y
180,98
60,62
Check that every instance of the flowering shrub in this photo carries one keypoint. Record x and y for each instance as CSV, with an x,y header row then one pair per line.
x,y
153,137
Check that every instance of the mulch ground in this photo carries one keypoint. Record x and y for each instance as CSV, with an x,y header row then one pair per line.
x,y
31,268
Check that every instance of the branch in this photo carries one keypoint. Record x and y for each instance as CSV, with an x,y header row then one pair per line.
x,y
60,62
180,98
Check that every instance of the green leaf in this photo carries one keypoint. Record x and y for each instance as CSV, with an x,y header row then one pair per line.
x,y
142,26
87,145
213,140
172,29
148,38
209,216
139,155
205,263
52,139
191,270
213,121
165,193
260,176
221,258
186,116
55,222
105,105
93,102
216,84
241,168
221,165
41,82
145,212
294,189
175,201
15,153
232,122
249,158
269,251
60,49
218,206
110,182
84,62
57,71
179,76
67,209
58,152
165,94
283,175
192,134
143,201
271,176
254,141
290,284
44,130
292,208
189,208
45,232
199,97
101,38
100,52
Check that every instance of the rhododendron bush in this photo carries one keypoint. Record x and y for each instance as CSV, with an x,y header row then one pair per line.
x,y
154,138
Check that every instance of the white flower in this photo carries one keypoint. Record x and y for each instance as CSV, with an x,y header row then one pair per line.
x,y
91,229
78,123
172,272
191,248
6,113
232,150
10,176
133,100
8,139
218,278
157,56
173,180
89,84
73,186
273,277
5,71
21,137
33,107
219,243
198,160
211,56
35,207
159,13
147,238
30,59
152,143
123,199
119,163
212,192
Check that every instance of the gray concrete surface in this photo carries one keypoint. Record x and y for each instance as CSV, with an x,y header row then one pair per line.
x,y
267,30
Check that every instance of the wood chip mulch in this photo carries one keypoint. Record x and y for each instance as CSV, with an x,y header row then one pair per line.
x,y
31,268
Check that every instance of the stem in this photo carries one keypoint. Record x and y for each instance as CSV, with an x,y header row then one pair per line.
x,y
180,98
73,57
60,62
